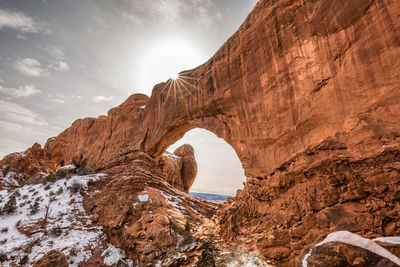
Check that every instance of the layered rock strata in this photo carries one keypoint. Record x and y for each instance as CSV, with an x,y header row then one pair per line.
x,y
307,94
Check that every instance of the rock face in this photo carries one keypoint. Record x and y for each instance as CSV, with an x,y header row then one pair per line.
x,y
347,249
308,95
143,214
51,259
179,168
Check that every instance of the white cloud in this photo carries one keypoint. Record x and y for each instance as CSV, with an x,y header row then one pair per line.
x,y
60,101
15,113
56,52
172,11
76,97
30,67
22,91
18,21
60,66
101,98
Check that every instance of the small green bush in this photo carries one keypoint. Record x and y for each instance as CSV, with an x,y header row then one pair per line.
x,y
11,205
59,191
75,187
122,263
24,260
54,176
82,168
56,231
34,208
3,256
208,255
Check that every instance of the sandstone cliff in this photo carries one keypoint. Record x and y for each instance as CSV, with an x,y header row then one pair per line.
x,y
308,95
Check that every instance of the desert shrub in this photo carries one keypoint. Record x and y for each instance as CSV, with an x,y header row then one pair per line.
x,y
82,168
6,169
54,176
2,242
24,260
174,228
34,208
47,187
59,191
209,253
73,252
56,231
16,193
4,229
3,256
11,205
75,187
188,227
122,263
91,182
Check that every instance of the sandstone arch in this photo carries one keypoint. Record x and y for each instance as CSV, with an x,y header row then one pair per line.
x,y
219,170
307,93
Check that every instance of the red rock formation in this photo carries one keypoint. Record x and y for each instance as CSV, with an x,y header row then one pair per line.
x,y
141,213
51,259
307,93
180,168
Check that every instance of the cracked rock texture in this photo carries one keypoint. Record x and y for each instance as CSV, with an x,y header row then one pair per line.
x,y
308,95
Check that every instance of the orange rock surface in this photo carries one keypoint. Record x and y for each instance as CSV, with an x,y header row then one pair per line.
x,y
308,95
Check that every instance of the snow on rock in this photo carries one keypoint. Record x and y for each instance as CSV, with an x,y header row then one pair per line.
x,y
395,240
175,202
10,180
358,241
171,155
68,167
143,198
20,154
142,107
66,227
112,254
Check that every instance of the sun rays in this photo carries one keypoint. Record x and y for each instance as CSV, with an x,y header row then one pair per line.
x,y
181,85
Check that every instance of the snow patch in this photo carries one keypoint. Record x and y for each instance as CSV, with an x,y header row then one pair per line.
x,y
68,227
68,167
358,241
395,240
171,155
112,254
143,198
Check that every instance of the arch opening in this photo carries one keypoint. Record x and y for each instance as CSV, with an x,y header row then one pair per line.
x,y
220,173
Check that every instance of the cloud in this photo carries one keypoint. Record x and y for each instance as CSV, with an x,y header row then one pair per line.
x,y
60,66
101,98
30,67
60,101
56,52
15,113
22,91
18,21
173,11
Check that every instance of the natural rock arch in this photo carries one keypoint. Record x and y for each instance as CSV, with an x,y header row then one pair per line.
x,y
219,170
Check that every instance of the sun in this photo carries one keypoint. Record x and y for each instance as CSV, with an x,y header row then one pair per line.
x,y
165,60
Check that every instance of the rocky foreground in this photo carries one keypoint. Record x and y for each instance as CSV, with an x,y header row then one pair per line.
x,y
308,95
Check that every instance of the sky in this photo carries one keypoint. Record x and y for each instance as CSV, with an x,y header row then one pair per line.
x,y
66,59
